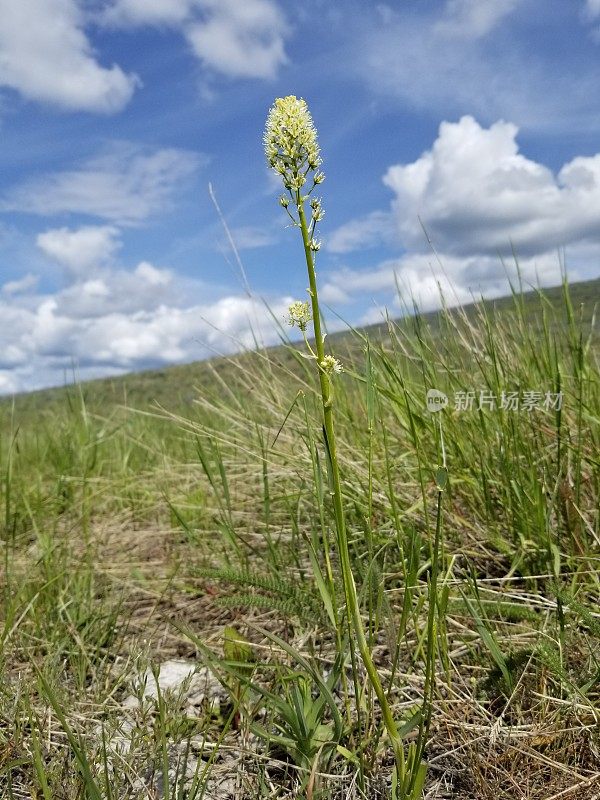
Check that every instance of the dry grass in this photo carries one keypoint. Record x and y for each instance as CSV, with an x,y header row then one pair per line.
x,y
113,521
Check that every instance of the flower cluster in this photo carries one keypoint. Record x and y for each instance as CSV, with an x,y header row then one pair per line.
x,y
299,314
291,143
331,365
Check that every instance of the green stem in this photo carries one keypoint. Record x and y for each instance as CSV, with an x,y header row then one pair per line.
x,y
428,691
350,593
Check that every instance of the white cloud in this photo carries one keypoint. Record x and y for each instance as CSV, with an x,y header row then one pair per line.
x,y
24,284
248,237
110,290
240,39
168,335
344,284
80,250
237,39
593,8
477,197
468,19
125,185
8,383
374,316
476,194
82,326
368,231
147,12
46,56
109,320
419,278
471,57
152,275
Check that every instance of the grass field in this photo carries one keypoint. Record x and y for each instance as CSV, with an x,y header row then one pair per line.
x,y
181,520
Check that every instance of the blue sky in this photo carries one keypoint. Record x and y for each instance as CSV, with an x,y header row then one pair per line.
x,y
477,119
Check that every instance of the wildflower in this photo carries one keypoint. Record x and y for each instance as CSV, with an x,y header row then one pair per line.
x,y
317,210
293,152
299,314
284,201
331,365
290,141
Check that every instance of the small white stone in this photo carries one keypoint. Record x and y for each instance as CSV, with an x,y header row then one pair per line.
x,y
172,675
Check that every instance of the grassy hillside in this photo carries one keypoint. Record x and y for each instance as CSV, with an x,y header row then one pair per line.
x,y
182,519
178,385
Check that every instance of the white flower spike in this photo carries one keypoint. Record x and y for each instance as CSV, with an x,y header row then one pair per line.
x,y
290,141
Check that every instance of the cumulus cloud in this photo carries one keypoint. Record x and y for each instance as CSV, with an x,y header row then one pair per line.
x,y
236,39
46,56
419,278
39,343
80,250
476,193
108,319
119,291
240,40
125,185
478,198
152,275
